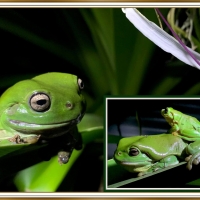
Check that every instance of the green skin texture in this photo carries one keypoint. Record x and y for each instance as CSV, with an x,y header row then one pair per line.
x,y
21,124
155,152
182,125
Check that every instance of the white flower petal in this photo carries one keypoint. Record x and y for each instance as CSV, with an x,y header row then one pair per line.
x,y
160,37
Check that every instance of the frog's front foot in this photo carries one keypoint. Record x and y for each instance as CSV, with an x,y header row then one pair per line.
x,y
142,174
192,160
18,140
151,170
163,163
63,157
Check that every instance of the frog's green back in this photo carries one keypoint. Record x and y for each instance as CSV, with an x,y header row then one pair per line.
x,y
161,145
155,146
126,142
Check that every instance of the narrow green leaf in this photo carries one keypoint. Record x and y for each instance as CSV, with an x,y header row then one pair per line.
x,y
113,139
47,176
194,183
194,90
166,85
103,39
196,22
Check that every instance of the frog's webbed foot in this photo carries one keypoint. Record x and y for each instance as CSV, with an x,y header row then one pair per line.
x,y
163,163
30,140
192,159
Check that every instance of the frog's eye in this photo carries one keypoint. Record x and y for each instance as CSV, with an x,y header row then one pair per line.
x,y
40,102
133,152
166,110
80,84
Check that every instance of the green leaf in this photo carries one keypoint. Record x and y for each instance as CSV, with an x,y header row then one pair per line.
x,y
44,176
47,176
194,183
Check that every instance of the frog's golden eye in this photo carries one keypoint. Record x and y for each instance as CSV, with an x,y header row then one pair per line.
x,y
166,110
40,102
80,84
133,152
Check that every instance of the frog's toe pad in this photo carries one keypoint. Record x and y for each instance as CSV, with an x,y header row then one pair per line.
x,y
189,166
196,161
188,158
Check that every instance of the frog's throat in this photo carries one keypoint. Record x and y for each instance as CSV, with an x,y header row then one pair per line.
x,y
170,120
136,167
144,168
51,130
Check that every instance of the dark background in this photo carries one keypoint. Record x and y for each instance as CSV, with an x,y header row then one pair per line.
x,y
86,42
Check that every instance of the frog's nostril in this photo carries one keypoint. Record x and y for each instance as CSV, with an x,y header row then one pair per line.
x,y
69,105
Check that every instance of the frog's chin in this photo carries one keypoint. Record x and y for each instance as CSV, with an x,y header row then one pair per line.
x,y
45,130
140,166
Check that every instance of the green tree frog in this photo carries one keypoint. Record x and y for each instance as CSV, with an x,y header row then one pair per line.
x,y
41,110
146,154
182,125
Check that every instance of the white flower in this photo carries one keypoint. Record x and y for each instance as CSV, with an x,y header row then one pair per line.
x,y
160,37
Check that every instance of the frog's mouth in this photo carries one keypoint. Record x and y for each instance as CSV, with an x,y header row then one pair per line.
x,y
45,130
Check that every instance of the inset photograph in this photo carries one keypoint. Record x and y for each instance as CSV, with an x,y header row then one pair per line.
x,y
152,144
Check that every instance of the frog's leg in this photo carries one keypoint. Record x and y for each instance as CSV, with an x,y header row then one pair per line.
x,y
193,150
161,164
188,138
188,134
73,141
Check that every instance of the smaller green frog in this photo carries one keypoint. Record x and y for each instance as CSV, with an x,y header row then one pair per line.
x,y
146,154
182,125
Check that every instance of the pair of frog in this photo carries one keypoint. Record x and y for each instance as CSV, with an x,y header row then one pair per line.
x,y
45,109
146,154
